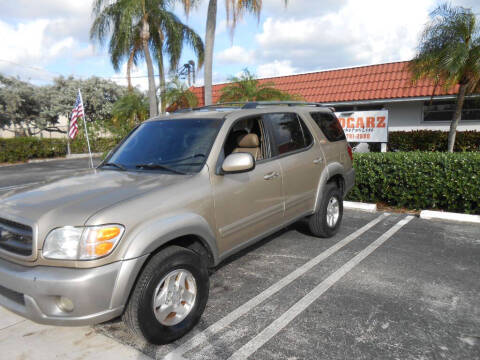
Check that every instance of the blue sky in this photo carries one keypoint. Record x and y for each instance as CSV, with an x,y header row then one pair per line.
x,y
44,38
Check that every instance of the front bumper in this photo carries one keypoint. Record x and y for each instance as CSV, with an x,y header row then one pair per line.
x,y
98,294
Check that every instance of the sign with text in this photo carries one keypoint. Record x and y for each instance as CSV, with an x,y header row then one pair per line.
x,y
365,126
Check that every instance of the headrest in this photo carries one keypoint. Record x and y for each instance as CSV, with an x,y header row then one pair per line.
x,y
248,141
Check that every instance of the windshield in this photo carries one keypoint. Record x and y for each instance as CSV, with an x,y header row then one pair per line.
x,y
174,146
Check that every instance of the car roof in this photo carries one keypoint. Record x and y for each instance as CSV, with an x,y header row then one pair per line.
x,y
191,114
221,111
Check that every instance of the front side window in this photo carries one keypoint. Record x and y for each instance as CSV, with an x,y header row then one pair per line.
x,y
179,145
289,132
329,125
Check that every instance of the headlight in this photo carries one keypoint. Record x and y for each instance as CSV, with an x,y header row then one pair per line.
x,y
82,243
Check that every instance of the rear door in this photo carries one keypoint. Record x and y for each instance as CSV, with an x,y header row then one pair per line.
x,y
334,144
301,160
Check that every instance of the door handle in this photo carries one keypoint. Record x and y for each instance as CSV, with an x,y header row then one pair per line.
x,y
271,175
318,160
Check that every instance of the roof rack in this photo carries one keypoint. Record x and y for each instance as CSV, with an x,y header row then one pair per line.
x,y
255,104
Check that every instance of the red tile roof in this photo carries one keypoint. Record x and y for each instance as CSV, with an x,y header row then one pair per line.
x,y
382,81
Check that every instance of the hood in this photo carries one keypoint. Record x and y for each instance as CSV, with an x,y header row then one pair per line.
x,y
71,201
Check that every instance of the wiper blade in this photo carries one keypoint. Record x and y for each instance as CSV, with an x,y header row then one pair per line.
x,y
158,167
186,158
118,166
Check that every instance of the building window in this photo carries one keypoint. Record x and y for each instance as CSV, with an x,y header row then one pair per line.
x,y
369,107
443,110
366,107
343,108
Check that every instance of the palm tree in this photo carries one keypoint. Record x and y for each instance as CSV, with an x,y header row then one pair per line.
x,y
169,39
127,112
449,53
127,21
247,87
167,36
179,96
236,9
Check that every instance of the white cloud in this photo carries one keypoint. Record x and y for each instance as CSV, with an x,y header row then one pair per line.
x,y
85,52
221,27
139,77
36,33
46,9
275,68
237,55
357,33
27,45
299,9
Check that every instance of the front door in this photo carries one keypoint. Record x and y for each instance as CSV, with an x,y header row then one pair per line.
x,y
248,204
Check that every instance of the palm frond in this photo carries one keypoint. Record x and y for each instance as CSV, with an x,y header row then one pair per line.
x,y
247,87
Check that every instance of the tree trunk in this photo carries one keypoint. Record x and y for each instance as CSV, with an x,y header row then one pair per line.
x,y
209,44
129,70
456,117
152,96
161,75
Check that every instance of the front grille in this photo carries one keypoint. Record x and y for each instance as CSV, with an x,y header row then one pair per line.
x,y
12,295
15,238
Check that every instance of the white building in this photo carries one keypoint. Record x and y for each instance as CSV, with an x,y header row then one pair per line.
x,y
384,86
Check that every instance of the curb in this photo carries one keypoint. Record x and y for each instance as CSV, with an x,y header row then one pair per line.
x,y
424,214
79,156
442,215
67,157
371,208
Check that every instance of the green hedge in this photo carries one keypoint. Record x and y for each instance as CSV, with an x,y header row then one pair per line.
x,y
428,140
25,148
419,180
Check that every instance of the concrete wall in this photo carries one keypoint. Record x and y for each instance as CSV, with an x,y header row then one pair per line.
x,y
407,116
62,124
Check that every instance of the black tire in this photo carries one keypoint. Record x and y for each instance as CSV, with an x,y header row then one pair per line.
x,y
139,315
317,223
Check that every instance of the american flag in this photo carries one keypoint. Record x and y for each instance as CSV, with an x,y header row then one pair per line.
x,y
77,113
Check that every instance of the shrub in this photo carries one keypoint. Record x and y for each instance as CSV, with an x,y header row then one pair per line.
x,y
419,180
428,140
25,148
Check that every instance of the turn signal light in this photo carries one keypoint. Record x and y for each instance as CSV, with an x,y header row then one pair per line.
x,y
103,248
108,233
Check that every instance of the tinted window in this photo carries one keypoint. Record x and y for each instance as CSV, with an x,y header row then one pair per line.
x,y
289,132
329,125
443,110
181,144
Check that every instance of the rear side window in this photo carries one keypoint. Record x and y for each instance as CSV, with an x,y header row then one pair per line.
x,y
289,132
329,125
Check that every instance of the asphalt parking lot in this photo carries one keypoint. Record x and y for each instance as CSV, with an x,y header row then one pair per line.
x,y
387,286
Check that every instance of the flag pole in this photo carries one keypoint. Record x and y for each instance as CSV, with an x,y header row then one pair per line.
x,y
86,130
68,135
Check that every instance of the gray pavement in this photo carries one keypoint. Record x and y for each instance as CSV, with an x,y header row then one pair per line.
x,y
385,287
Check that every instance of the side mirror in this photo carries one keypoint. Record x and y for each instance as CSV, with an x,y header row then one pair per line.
x,y
238,162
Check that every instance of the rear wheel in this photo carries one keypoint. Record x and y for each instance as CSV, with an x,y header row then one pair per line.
x,y
169,297
326,221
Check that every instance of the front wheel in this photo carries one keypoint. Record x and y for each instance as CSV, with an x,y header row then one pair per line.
x,y
326,221
169,297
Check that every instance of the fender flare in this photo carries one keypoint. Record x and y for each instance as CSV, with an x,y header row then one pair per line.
x,y
156,233
332,169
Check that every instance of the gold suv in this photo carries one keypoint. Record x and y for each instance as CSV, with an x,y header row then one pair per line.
x,y
135,237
